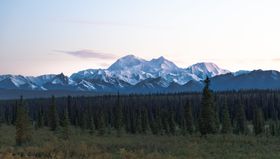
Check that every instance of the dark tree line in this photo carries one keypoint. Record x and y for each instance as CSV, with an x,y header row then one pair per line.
x,y
239,112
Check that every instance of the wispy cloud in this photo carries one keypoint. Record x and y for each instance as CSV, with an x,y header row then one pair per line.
x,y
85,54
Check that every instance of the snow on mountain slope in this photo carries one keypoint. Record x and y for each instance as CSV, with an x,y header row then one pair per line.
x,y
16,82
130,69
127,62
161,66
33,83
85,85
41,80
92,74
85,74
8,83
133,70
99,79
153,83
60,82
131,74
126,72
202,70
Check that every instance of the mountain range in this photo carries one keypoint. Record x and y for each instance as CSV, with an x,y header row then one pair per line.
x,y
131,74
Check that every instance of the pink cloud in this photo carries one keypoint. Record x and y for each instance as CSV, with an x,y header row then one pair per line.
x,y
88,54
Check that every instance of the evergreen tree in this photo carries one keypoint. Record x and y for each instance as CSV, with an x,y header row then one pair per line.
x,y
189,118
119,117
23,125
133,121
144,120
165,117
83,121
138,124
240,120
53,116
66,125
69,108
216,118
156,123
128,121
40,122
91,126
172,123
273,128
183,126
101,124
207,121
161,113
258,121
226,122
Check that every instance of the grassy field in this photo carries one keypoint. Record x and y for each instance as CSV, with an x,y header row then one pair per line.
x,y
46,144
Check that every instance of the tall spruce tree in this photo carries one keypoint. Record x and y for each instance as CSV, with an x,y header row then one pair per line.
x,y
226,122
165,117
119,117
101,123
189,118
66,125
156,123
91,126
144,120
138,124
40,121
23,125
172,123
258,121
207,121
183,126
273,128
240,120
53,118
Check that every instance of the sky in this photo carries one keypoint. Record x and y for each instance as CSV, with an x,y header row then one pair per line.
x,y
54,36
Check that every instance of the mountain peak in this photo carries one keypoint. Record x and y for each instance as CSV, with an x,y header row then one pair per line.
x,y
131,73
205,64
129,56
163,64
126,62
162,58
61,74
204,69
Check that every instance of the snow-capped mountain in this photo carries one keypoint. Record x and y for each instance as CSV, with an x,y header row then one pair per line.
x,y
127,62
17,82
59,82
202,70
133,70
130,69
127,72
131,74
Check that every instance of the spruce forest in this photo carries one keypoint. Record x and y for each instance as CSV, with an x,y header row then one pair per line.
x,y
143,126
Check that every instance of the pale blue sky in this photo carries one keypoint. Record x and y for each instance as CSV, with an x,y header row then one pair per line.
x,y
38,37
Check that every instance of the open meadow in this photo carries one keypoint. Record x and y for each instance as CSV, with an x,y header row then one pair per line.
x,y
46,144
